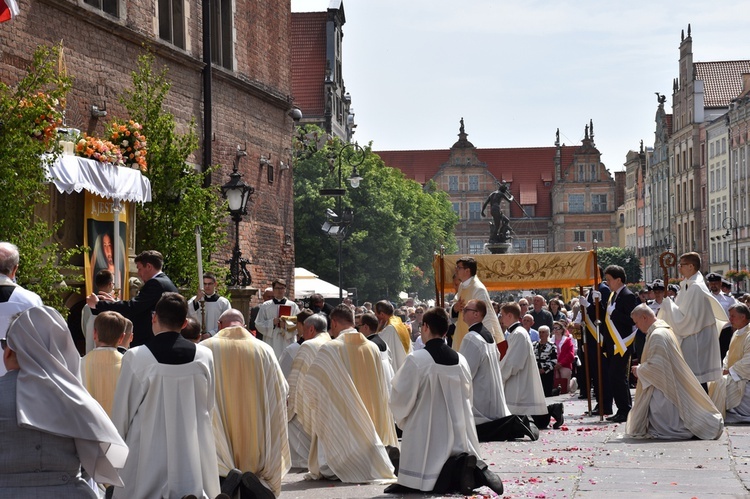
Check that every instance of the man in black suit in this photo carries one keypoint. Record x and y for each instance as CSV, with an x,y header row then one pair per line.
x,y
618,341
139,309
588,319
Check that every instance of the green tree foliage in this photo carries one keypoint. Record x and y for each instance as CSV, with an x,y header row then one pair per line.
x,y
27,110
625,258
179,200
397,226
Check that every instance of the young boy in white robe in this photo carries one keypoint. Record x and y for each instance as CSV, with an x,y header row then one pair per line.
x,y
431,401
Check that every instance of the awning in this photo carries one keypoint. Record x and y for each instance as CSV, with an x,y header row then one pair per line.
x,y
523,270
306,283
74,174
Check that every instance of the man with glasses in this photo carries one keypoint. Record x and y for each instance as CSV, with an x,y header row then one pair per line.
x,y
471,288
268,322
207,306
696,318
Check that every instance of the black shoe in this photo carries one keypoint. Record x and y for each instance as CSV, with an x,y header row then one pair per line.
x,y
555,392
620,417
223,496
397,488
251,487
231,482
532,431
483,476
556,411
466,474
394,455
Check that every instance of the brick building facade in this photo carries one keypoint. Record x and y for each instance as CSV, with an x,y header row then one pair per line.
x,y
251,95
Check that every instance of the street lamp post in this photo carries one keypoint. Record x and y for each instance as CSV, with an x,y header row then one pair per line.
x,y
730,223
237,193
337,222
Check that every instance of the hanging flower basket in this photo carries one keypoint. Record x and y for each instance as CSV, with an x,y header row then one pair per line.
x,y
737,275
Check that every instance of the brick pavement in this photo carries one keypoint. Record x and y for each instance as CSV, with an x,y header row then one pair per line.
x,y
590,459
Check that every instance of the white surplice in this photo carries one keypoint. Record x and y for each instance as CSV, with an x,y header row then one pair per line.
x,y
696,319
430,402
163,411
668,391
349,420
278,337
473,289
393,339
483,360
729,392
524,392
213,309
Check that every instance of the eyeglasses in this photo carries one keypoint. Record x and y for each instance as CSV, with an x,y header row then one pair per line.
x,y
470,310
557,328
3,343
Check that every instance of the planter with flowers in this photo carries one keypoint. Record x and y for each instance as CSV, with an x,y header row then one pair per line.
x,y
737,275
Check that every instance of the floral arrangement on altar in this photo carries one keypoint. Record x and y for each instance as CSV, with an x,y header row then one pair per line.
x,y
737,275
128,136
50,117
98,149
125,145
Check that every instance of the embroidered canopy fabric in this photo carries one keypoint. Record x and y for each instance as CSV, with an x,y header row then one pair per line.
x,y
522,270
74,174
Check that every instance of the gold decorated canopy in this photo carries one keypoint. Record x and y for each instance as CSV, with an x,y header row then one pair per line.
x,y
522,270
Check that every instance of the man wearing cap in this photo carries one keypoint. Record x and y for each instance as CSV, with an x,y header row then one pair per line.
x,y
714,285
657,287
696,318
672,291
268,322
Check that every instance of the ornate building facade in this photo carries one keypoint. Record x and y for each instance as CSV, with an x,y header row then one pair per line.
x,y
563,196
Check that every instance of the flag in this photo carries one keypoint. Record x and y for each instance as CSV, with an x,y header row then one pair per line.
x,y
8,10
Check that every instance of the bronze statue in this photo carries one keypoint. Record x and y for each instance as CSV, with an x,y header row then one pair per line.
x,y
500,225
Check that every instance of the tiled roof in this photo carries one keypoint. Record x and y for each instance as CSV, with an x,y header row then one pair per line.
x,y
308,40
523,166
722,81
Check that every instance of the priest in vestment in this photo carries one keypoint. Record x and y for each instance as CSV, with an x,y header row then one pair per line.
x,y
471,288
430,401
315,335
394,333
696,318
349,421
251,397
669,401
731,393
163,407
524,393
481,354
268,322
100,368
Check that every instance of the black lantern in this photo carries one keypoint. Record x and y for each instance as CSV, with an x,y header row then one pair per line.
x,y
237,193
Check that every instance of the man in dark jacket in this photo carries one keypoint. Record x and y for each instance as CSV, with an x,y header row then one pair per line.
x,y
139,309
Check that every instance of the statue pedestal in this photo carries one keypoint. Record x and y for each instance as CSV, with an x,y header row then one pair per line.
x,y
241,299
498,248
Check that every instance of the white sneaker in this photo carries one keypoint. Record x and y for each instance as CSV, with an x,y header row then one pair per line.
x,y
572,385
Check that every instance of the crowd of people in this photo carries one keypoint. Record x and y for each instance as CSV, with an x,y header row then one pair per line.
x,y
186,398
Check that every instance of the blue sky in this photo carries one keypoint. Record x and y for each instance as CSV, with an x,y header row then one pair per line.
x,y
517,71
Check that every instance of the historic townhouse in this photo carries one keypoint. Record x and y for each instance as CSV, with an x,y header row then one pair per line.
x,y
563,196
